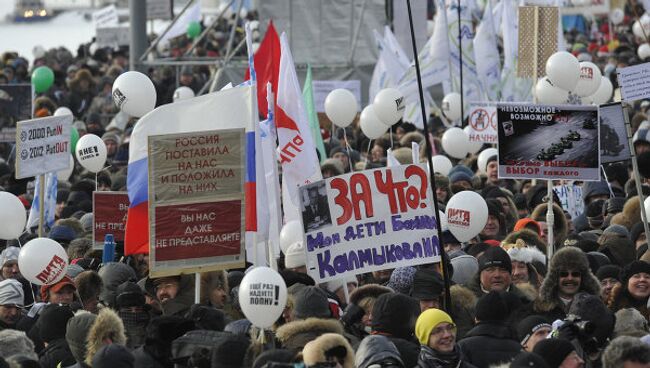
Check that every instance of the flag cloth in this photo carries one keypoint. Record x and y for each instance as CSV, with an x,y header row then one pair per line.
x,y
312,115
49,205
229,109
192,14
488,62
271,178
267,65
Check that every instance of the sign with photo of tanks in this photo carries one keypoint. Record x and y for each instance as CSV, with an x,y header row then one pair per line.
x,y
548,142
613,136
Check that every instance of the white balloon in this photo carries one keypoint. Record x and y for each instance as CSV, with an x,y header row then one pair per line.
x,y
91,152
262,296
63,111
467,214
472,147
646,206
183,93
455,142
42,261
549,94
341,107
563,70
640,25
443,221
451,106
255,24
441,164
483,157
370,124
12,216
589,81
389,106
616,16
64,175
604,92
291,232
643,51
134,93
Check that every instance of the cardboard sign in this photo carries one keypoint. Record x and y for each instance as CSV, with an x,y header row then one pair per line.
x,y
614,145
634,82
570,196
42,145
548,142
369,221
106,17
159,9
482,122
110,210
112,36
322,88
15,104
196,201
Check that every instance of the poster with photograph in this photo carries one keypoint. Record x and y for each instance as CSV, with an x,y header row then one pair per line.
x,y
613,137
548,142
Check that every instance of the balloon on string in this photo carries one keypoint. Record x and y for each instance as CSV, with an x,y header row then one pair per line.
x,y
455,142
42,261
643,51
74,139
183,93
12,216
42,79
549,94
64,175
134,93
193,29
451,106
291,232
563,70
616,16
472,147
640,25
589,81
389,106
467,214
484,156
341,107
254,24
262,296
63,111
441,164
604,92
91,152
370,124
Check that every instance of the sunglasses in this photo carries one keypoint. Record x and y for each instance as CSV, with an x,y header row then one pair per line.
x,y
572,273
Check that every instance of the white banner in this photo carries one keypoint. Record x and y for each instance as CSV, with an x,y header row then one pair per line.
x,y
42,145
106,17
112,36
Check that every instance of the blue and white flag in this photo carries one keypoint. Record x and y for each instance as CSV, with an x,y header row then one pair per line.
x,y
488,61
51,182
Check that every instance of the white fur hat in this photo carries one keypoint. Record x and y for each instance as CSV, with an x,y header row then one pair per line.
x,y
295,256
526,255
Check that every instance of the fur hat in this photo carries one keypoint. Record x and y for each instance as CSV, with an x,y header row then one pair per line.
x,y
14,342
632,210
327,345
332,164
368,291
211,281
526,255
531,239
107,325
560,225
89,285
623,349
630,322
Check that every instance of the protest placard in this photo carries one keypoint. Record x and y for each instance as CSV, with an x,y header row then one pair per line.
x,y
614,145
548,142
159,9
634,82
106,17
42,145
482,122
570,196
15,104
322,88
109,216
196,201
112,36
369,221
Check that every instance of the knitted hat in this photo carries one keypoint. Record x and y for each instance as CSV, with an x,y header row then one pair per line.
x,y
494,257
427,321
87,222
528,360
619,230
14,342
11,293
465,267
554,351
113,356
311,301
427,284
295,256
62,233
492,307
231,352
529,325
9,254
401,279
53,321
608,271
632,269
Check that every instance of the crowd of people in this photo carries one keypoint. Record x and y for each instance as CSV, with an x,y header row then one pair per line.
x,y
510,305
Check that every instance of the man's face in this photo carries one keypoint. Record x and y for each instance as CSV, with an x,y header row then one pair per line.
x,y
569,283
606,286
544,228
492,227
492,171
505,203
519,272
536,337
495,279
443,337
111,147
10,270
167,290
441,195
218,297
382,276
9,314
429,304
65,295
343,158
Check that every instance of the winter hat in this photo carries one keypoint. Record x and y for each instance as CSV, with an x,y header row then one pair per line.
x,y
528,360
230,353
334,285
311,301
526,255
587,245
62,233
87,222
448,238
626,348
107,325
9,254
608,271
14,342
274,356
619,250
129,294
65,281
427,321
460,173
492,307
11,293
632,269
401,279
465,267
239,327
324,347
332,164
528,223
618,230
73,270
494,257
597,260
77,332
112,136
53,321
427,284
529,325
113,356
292,278
636,231
295,256
554,351
594,188
630,322
477,248
614,205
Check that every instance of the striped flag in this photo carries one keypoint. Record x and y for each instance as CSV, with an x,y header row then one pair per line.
x,y
51,182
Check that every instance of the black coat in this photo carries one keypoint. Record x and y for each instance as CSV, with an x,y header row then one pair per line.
x,y
394,315
57,352
488,344
408,350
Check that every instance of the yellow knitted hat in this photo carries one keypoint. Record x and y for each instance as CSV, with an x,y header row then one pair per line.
x,y
427,321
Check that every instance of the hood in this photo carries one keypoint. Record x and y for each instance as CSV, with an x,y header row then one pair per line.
x,y
374,349
107,325
294,335
369,290
113,274
395,314
560,224
315,351
593,188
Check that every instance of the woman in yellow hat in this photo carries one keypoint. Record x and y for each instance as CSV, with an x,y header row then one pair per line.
x,y
436,332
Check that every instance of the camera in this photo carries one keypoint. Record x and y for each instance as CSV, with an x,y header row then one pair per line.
x,y
583,331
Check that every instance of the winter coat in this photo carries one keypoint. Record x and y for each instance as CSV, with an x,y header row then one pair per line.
x,y
295,334
375,349
161,332
57,351
620,298
489,343
143,359
429,358
463,302
393,316
179,305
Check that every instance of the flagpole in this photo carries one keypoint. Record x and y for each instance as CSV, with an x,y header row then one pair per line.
x,y
41,205
443,255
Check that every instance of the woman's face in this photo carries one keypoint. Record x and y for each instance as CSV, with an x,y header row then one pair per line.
x,y
376,153
443,337
639,285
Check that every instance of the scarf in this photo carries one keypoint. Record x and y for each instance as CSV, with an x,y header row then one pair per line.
x,y
436,358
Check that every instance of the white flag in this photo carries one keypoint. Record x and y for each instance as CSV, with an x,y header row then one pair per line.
x,y
488,63
51,182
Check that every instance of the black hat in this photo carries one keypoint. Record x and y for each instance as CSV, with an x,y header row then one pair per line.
x,y
231,352
554,351
494,257
129,294
632,269
492,307
636,231
608,271
113,356
477,248
449,238
427,284
207,318
529,325
528,360
53,322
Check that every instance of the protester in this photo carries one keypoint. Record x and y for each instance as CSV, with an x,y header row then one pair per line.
x,y
634,290
532,330
436,333
11,302
558,353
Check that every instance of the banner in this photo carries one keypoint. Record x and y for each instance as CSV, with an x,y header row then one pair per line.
x,y
369,221
482,122
196,201
106,17
42,145
322,88
634,81
548,142
570,196
614,145
113,36
109,216
15,104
